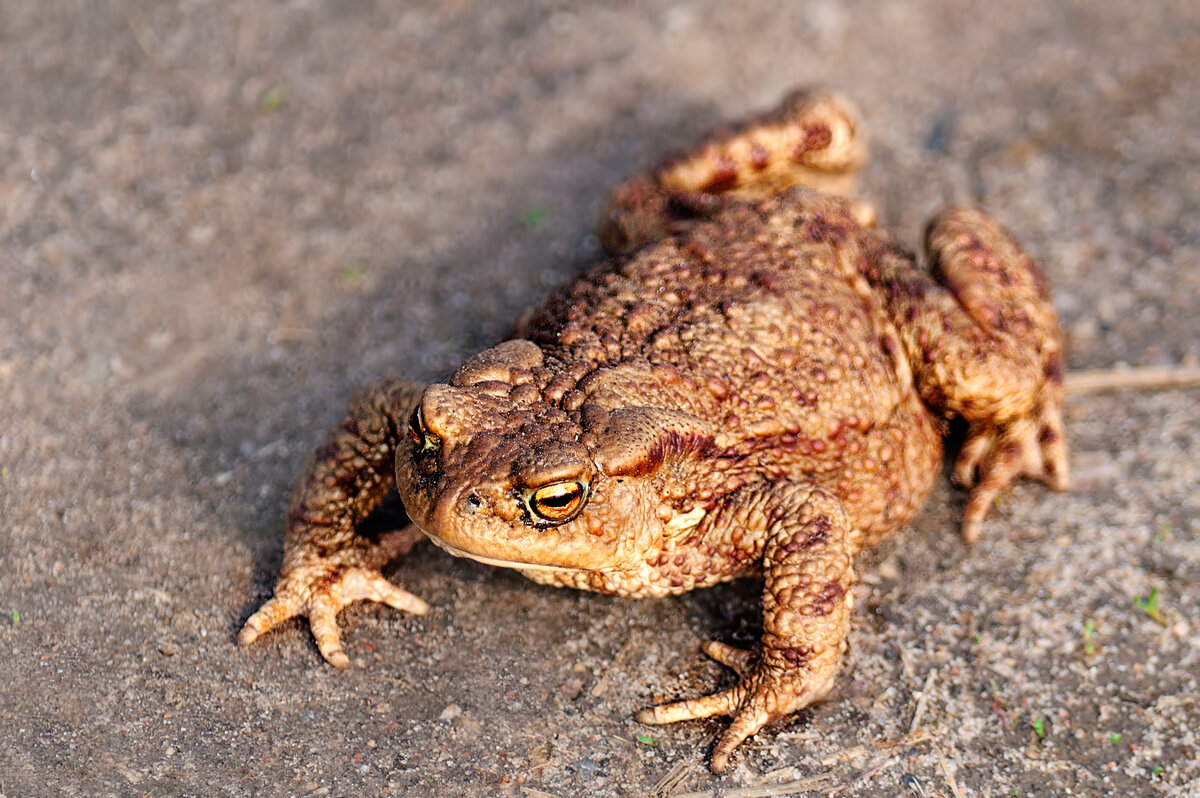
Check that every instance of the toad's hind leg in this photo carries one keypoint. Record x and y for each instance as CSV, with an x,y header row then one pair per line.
x,y
985,344
812,139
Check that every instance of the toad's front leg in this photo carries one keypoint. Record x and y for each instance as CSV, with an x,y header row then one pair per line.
x,y
326,563
806,618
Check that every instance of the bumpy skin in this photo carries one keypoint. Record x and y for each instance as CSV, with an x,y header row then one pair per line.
x,y
759,386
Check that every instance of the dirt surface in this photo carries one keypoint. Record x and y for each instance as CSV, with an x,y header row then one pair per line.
x,y
219,221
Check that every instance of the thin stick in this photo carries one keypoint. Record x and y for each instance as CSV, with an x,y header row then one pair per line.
x,y
945,766
879,764
823,781
765,790
923,701
670,781
1141,378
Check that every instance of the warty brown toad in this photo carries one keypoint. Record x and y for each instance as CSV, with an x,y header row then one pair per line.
x,y
757,384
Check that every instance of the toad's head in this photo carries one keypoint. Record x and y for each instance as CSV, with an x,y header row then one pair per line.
x,y
492,469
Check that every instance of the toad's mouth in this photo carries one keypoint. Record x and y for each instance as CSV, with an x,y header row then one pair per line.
x,y
517,564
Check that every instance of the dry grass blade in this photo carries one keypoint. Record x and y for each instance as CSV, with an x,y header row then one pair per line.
x,y
948,774
1082,382
898,747
530,792
809,784
922,702
669,781
823,782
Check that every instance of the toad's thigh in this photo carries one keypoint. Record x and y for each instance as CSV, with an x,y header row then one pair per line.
x,y
887,480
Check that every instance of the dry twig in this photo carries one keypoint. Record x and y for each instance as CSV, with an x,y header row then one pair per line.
x,y
764,790
669,781
923,701
948,774
531,792
1142,378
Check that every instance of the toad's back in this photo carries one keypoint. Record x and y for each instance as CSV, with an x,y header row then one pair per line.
x,y
759,323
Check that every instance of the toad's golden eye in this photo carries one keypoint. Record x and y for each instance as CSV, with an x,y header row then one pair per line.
x,y
416,426
560,502
420,434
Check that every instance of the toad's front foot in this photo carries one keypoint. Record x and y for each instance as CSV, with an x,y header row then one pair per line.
x,y
770,687
319,588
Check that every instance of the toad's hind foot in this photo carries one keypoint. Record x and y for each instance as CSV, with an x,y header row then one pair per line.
x,y
992,457
812,139
1006,377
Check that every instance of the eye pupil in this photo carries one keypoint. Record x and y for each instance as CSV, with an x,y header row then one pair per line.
x,y
416,426
422,437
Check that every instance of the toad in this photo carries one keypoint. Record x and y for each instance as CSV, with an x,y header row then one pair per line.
x,y
757,383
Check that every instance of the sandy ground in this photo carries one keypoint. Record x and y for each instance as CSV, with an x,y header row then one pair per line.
x,y
219,221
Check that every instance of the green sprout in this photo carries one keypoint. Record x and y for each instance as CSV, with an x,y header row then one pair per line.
x,y
1115,738
1089,633
271,100
646,739
534,216
352,274
1039,728
14,617
1157,770
1151,607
